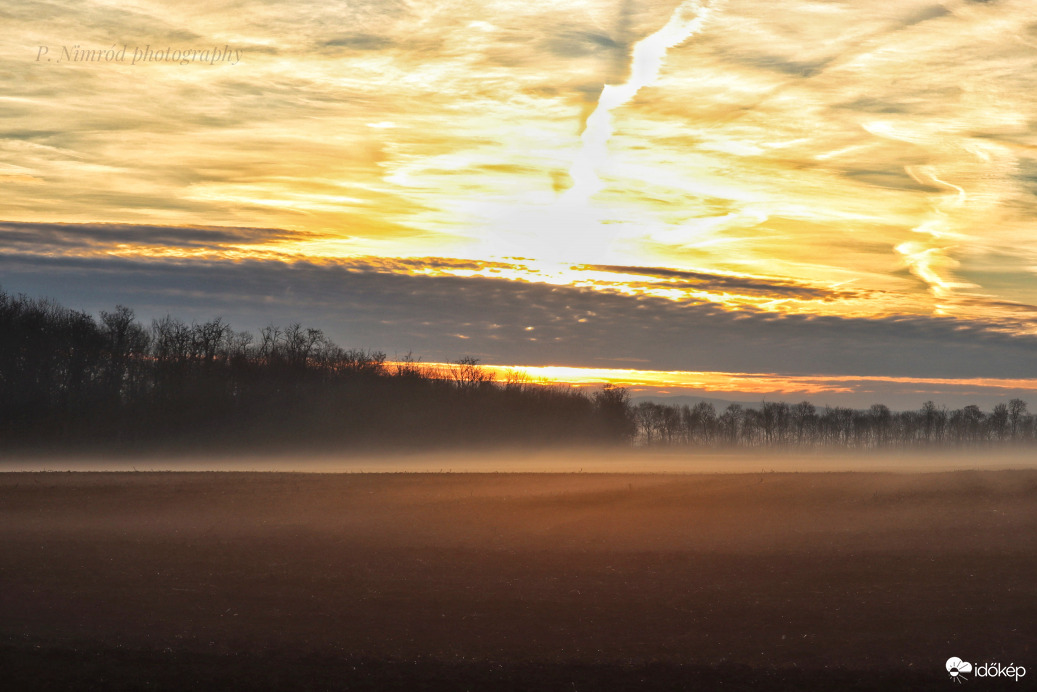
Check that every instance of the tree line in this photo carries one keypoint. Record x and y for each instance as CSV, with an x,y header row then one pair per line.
x,y
802,425
69,380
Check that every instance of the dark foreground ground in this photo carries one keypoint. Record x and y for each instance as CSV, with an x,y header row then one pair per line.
x,y
814,581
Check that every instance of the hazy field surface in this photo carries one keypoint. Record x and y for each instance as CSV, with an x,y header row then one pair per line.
x,y
550,460
862,580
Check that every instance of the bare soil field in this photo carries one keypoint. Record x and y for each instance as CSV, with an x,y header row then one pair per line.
x,y
407,581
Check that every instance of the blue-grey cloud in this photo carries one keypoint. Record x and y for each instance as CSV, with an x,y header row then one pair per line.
x,y
575,43
59,237
514,322
796,68
358,41
718,282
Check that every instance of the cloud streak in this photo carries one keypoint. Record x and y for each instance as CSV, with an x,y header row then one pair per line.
x,y
645,65
718,282
50,238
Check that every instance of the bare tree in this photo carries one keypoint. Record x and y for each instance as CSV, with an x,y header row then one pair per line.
x,y
999,422
1016,414
468,375
804,418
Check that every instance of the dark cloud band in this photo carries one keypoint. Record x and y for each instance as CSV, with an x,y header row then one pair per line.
x,y
515,322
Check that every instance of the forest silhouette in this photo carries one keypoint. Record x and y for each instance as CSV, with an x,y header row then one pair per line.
x,y
73,382
70,381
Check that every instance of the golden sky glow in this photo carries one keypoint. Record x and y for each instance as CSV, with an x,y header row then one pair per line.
x,y
725,384
853,159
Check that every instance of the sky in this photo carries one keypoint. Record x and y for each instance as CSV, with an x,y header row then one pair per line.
x,y
823,200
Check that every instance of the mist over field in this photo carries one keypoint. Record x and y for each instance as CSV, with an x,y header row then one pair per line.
x,y
546,461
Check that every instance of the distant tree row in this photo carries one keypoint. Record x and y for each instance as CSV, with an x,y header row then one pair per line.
x,y
69,380
778,424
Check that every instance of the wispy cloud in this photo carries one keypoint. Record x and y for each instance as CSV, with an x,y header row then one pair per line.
x,y
98,238
719,282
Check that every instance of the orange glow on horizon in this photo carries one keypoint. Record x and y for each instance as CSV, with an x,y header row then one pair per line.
x,y
719,382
